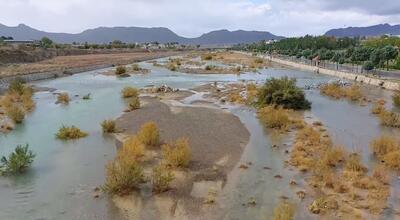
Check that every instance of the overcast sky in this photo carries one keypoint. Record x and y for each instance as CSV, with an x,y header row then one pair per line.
x,y
193,17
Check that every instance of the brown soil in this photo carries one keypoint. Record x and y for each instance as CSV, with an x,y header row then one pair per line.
x,y
63,63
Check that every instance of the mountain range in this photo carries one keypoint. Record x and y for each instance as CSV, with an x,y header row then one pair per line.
x,y
371,31
137,35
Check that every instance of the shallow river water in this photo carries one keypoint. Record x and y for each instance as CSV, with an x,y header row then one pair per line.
x,y
61,181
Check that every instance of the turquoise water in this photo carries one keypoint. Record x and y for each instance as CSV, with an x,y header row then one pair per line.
x,y
61,181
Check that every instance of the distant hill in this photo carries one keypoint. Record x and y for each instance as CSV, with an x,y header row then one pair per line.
x,y
137,34
371,31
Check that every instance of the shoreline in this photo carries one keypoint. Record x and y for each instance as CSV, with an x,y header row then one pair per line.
x,y
382,83
64,72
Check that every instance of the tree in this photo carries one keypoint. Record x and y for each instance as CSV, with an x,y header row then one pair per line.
x,y
389,53
46,42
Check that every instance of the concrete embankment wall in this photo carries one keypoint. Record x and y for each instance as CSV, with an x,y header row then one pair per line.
x,y
386,84
344,75
47,75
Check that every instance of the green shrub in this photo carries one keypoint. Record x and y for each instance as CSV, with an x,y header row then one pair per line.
x,y
18,161
16,114
67,133
283,92
108,126
120,70
396,98
134,103
123,175
129,92
161,178
149,134
177,154
86,97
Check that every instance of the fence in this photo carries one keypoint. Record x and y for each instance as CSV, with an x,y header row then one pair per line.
x,y
342,67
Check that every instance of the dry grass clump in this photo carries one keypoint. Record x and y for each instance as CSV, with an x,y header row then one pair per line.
x,y
396,98
108,126
161,178
134,103
336,91
15,113
149,134
378,108
275,117
120,70
252,93
133,148
129,92
384,145
333,90
136,67
123,175
68,133
235,97
392,159
386,118
389,119
178,153
63,98
353,164
207,56
284,211
354,93
17,101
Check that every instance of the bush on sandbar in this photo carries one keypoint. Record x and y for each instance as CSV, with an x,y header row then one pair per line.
x,y
123,175
178,153
132,148
129,92
18,161
149,134
274,117
108,126
120,70
67,133
161,178
134,103
283,92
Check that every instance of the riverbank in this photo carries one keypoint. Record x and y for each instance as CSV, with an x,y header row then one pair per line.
x,y
383,83
215,152
69,65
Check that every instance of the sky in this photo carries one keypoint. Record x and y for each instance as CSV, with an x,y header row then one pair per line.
x,y
191,18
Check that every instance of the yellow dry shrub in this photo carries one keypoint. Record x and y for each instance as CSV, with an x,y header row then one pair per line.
x,y
161,178
178,153
132,148
129,92
333,90
123,175
149,134
284,211
354,93
63,98
384,144
275,117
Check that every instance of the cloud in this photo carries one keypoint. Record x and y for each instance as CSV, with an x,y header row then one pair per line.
x,y
194,17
